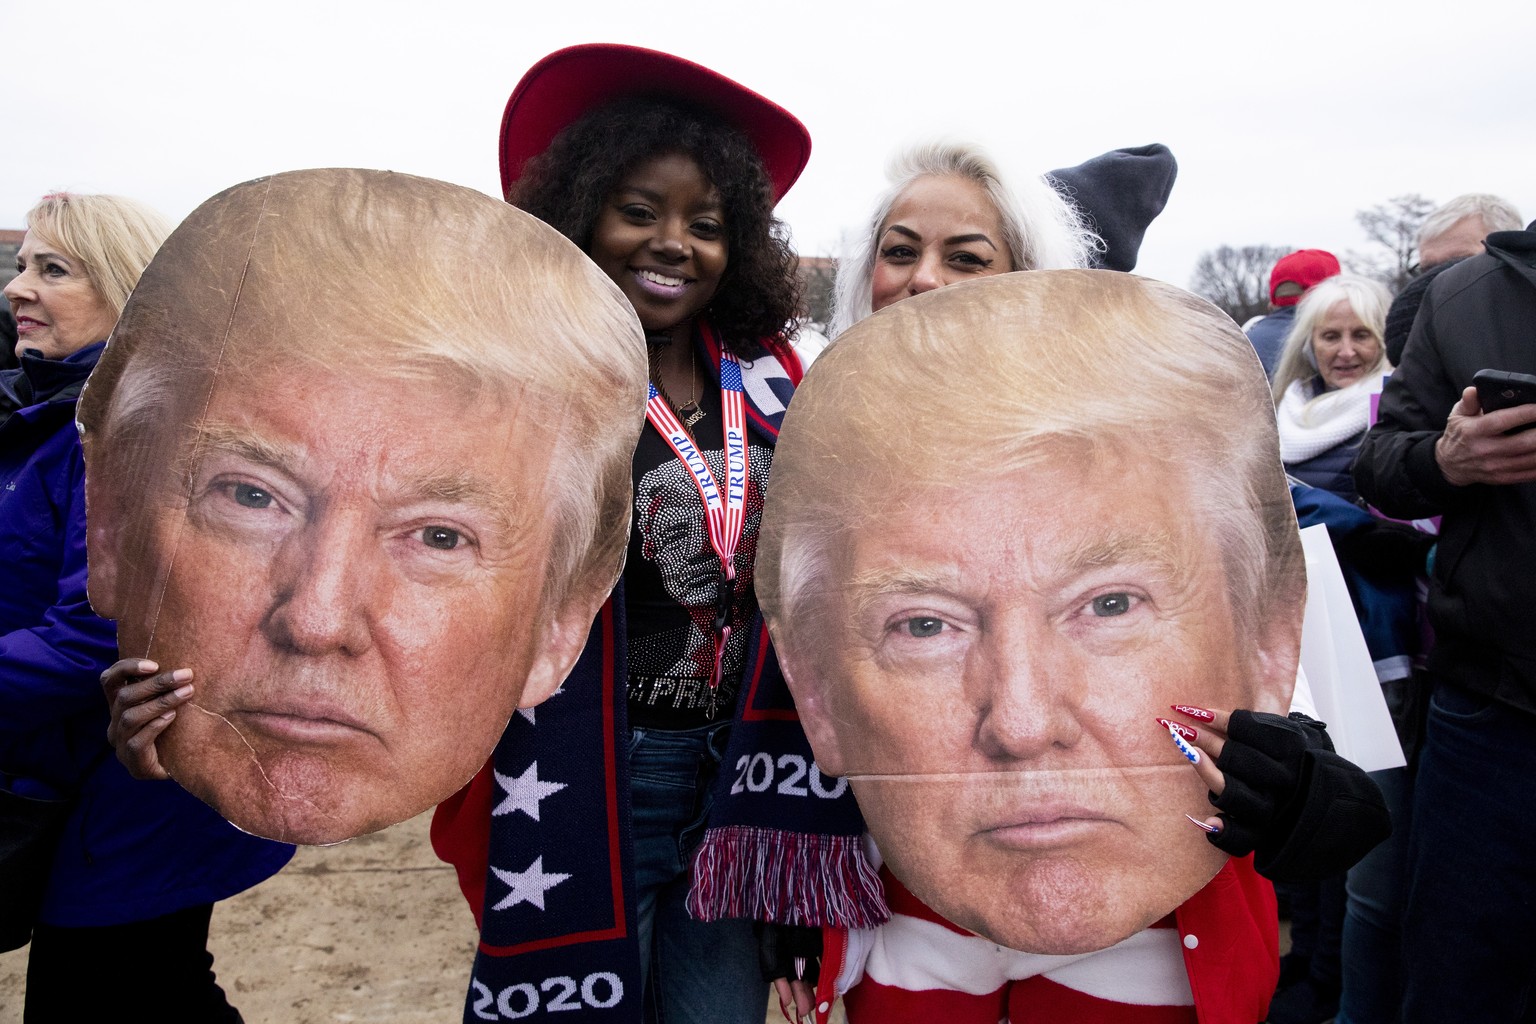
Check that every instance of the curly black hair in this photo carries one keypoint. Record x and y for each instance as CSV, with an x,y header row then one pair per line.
x,y
567,185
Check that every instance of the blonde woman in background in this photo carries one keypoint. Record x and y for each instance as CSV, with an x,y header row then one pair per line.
x,y
132,879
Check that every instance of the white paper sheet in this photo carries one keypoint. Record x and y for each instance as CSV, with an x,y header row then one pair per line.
x,y
1338,664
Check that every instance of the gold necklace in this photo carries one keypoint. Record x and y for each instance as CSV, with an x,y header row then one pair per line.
x,y
690,411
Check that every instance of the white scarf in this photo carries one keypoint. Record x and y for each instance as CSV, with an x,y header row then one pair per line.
x,y
1311,426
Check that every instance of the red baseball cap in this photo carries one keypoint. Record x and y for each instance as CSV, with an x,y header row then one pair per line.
x,y
1305,267
569,82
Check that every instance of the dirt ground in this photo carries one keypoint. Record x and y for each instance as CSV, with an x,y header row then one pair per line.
x,y
371,930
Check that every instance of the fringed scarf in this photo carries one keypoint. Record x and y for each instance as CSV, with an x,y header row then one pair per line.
x,y
541,838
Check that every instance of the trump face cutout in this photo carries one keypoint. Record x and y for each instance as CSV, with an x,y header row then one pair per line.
x,y
351,491
982,612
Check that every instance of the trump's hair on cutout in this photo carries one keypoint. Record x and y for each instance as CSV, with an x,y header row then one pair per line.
x,y
373,272
948,390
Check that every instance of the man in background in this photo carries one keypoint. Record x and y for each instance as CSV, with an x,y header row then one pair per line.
x,y
1469,927
1288,282
1448,236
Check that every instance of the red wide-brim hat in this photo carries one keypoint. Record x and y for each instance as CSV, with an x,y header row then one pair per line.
x,y
569,82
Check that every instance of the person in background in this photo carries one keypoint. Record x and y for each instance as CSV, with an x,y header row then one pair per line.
x,y
140,864
949,216
8,360
1449,235
1374,555
1292,275
1330,367
1371,949
1332,362
1469,932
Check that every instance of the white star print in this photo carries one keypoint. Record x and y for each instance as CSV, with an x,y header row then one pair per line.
x,y
524,792
527,886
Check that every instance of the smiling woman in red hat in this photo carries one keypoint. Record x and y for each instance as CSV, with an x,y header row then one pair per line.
x,y
647,873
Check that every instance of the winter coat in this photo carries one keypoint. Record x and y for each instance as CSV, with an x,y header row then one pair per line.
x,y
131,850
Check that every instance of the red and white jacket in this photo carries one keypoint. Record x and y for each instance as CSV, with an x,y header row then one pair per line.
x,y
1215,960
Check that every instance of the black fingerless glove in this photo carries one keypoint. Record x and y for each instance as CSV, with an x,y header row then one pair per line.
x,y
1302,810
780,945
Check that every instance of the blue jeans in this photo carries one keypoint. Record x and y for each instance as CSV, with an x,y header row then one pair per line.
x,y
1373,917
1469,924
697,972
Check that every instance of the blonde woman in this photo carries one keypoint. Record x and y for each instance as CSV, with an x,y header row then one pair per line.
x,y
131,884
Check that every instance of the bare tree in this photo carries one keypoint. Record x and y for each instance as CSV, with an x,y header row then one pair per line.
x,y
1237,279
1394,226
818,276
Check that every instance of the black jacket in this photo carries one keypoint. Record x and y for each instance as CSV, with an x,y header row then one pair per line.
x,y
1478,314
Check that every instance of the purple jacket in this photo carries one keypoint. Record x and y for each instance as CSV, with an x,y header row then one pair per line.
x,y
131,850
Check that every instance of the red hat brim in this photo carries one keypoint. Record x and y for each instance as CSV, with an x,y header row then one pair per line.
x,y
569,82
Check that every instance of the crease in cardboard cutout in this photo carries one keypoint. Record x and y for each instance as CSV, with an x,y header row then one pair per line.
x,y
256,762
218,362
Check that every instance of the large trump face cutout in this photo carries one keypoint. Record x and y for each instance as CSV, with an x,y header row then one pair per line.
x,y
1011,522
358,455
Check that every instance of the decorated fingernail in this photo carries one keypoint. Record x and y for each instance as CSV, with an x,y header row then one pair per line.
x,y
1203,826
1189,752
1198,714
1187,731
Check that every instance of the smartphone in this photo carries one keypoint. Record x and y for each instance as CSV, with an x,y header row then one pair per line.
x,y
1501,389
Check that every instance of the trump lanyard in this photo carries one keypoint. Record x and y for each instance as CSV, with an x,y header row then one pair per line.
x,y
725,513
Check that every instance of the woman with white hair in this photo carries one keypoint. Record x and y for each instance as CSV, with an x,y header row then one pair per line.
x,y
1331,363
1345,940
989,227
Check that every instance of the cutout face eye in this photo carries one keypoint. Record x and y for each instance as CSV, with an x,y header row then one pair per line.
x,y
925,626
1108,605
251,496
441,537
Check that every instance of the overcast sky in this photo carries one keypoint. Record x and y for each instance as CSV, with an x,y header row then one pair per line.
x,y
1286,118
